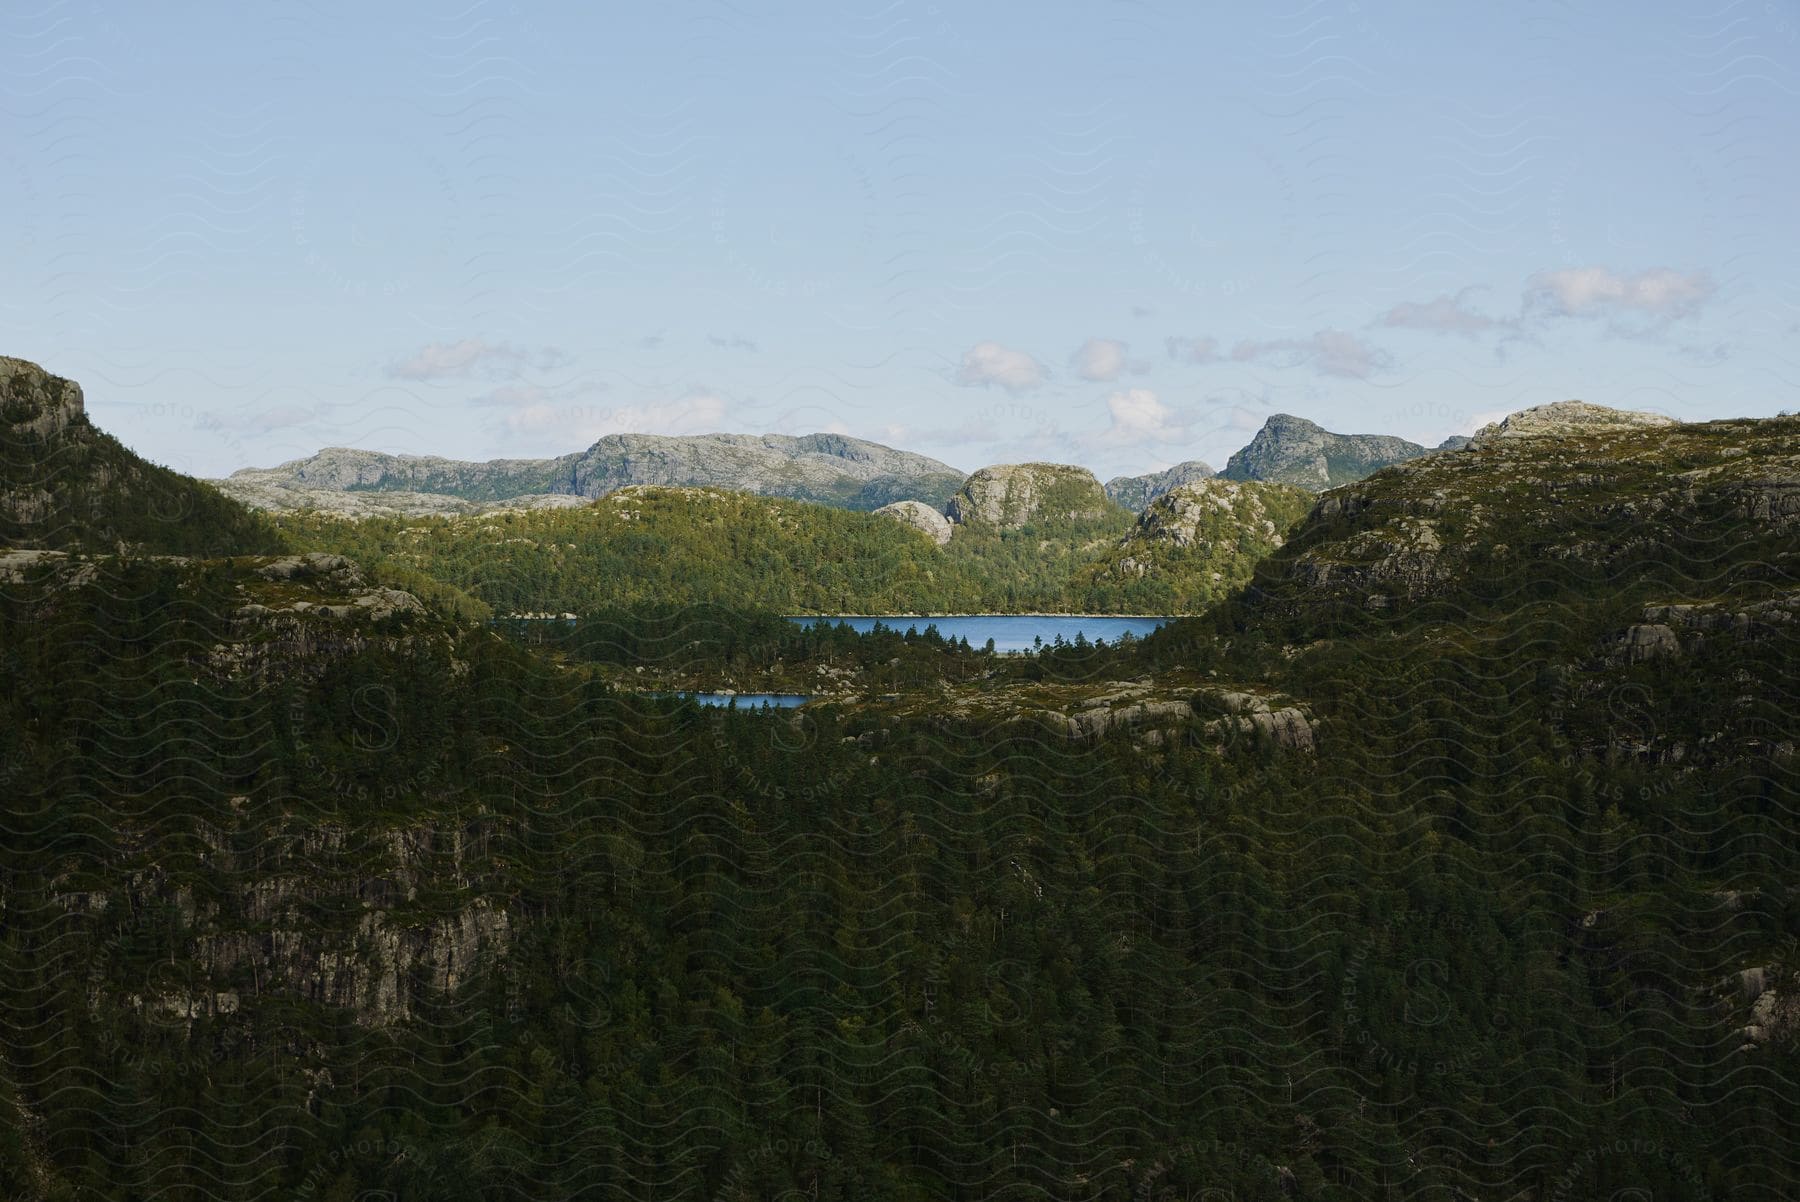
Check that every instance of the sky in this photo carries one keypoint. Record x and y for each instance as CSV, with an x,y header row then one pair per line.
x,y
1118,234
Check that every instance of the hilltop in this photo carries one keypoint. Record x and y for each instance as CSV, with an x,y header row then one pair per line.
x,y
831,469
1292,450
65,485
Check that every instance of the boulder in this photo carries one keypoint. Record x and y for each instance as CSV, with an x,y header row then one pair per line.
x,y
920,517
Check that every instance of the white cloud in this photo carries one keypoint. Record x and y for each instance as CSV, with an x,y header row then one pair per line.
x,y
470,358
1099,359
1446,314
1328,352
988,363
1193,350
1658,293
1138,416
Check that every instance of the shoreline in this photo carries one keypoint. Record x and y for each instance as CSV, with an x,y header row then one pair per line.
x,y
1033,614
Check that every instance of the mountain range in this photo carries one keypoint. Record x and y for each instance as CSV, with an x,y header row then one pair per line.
x,y
831,469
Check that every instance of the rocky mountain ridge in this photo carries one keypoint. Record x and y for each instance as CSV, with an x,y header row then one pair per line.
x,y
833,469
1136,492
1292,450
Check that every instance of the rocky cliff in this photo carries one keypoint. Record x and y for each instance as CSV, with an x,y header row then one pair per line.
x,y
1292,450
1198,542
831,469
1136,492
1009,496
65,484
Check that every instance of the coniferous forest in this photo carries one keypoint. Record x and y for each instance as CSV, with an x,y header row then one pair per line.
x,y
1452,855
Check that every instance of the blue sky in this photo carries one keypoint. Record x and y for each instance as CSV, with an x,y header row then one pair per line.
x,y
1118,234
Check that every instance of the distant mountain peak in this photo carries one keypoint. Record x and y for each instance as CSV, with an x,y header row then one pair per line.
x,y
1137,492
1293,450
829,468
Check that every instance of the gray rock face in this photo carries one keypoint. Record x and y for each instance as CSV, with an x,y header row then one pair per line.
x,y
265,494
259,933
1566,417
34,402
1774,1007
828,468
1137,492
921,517
1008,496
1180,515
1293,450
1286,727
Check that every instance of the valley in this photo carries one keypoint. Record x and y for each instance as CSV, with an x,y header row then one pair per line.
x,y
1445,838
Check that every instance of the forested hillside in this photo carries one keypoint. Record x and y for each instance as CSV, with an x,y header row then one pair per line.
x,y
65,485
1453,857
667,546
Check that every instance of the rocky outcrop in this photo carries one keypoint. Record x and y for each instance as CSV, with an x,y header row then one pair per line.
x,y
1008,496
1774,1002
272,495
920,517
1248,714
65,485
1675,630
1137,492
1563,418
323,611
1292,450
1565,508
372,924
34,403
1199,541
1185,515
1146,711
832,469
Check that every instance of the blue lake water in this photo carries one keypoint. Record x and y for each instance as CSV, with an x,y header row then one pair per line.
x,y
1010,632
751,701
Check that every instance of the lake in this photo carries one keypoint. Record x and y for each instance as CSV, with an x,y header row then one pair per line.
x,y
750,701
1010,632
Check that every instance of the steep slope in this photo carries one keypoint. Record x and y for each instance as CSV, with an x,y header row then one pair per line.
x,y
1292,450
1136,492
1603,507
66,485
828,468
1637,571
1197,543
